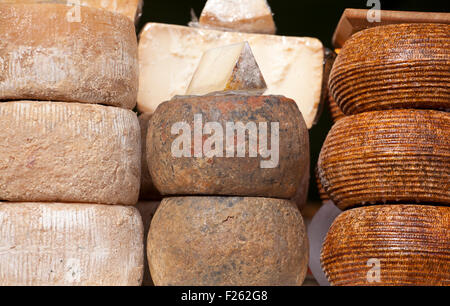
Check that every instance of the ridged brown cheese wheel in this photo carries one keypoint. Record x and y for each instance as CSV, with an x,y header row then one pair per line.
x,y
172,137
45,55
148,191
147,211
390,245
322,193
387,157
394,66
68,152
215,241
73,244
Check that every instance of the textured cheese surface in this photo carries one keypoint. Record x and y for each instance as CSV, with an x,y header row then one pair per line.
x,y
130,8
69,152
43,56
253,16
70,244
231,67
169,56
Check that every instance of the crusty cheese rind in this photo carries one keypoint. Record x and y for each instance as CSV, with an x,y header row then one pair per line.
x,y
70,244
43,56
69,152
169,55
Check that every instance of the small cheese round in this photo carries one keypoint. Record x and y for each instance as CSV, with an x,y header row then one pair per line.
x,y
216,241
394,66
69,152
387,157
45,54
70,244
389,245
182,163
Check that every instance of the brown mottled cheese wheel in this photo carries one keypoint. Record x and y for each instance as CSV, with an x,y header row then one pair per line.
x,y
387,157
44,56
389,245
68,152
148,191
147,210
172,137
394,66
70,244
227,241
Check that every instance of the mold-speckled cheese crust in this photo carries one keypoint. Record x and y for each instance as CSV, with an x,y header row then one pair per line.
x,y
227,241
388,157
394,66
411,244
242,176
43,56
69,152
70,244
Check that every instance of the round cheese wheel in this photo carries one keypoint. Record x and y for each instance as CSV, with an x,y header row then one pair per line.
x,y
48,53
215,241
390,245
70,244
210,157
394,66
68,152
387,157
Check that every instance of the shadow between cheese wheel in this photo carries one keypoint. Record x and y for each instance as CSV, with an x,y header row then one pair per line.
x,y
390,245
194,146
216,241
387,157
393,66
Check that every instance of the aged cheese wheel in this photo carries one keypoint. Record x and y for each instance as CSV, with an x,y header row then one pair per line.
x,y
192,148
227,241
336,112
301,196
44,56
148,191
130,8
68,152
147,210
394,66
387,157
70,244
389,245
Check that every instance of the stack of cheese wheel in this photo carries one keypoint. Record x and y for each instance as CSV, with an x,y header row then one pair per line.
x,y
388,162
69,147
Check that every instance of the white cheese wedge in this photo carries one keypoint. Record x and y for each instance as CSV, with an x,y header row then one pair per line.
x,y
60,244
231,67
170,54
252,16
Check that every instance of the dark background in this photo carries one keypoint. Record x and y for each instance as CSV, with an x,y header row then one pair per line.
x,y
314,18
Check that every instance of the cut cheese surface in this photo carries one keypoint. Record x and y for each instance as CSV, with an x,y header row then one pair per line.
x,y
69,152
169,56
228,68
44,56
130,8
252,16
70,244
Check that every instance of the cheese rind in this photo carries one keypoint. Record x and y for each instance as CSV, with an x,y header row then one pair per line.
x,y
130,8
228,68
70,244
69,152
169,55
43,56
251,16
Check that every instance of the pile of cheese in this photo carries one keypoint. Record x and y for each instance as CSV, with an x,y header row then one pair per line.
x,y
70,145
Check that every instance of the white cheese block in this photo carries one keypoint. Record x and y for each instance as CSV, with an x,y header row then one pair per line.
x,y
231,67
252,16
69,152
70,244
169,56
130,8
44,56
